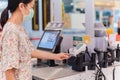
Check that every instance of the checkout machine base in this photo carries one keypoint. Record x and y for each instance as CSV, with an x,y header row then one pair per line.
x,y
48,63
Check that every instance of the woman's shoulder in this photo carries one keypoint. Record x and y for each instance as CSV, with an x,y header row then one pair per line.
x,y
10,27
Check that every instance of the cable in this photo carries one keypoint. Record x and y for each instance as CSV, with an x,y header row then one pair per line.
x,y
99,71
117,59
114,73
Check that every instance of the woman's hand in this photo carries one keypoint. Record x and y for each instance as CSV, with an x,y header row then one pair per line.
x,y
61,56
10,74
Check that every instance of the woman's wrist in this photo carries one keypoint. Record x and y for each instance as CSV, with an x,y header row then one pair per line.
x,y
54,56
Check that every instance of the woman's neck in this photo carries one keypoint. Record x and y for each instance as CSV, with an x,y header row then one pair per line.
x,y
16,18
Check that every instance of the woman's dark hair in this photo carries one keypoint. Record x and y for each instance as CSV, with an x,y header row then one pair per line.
x,y
12,6
119,31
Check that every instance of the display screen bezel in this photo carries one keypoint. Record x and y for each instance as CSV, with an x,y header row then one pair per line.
x,y
49,49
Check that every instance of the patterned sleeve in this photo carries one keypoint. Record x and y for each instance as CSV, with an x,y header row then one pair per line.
x,y
31,46
10,54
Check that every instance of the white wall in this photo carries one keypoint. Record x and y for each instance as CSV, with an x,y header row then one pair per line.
x,y
77,21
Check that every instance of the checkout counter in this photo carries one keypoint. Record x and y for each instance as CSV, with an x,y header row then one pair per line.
x,y
64,71
60,73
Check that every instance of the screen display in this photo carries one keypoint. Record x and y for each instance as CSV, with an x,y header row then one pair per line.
x,y
49,39
79,46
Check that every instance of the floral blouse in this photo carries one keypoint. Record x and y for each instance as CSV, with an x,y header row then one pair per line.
x,y
16,52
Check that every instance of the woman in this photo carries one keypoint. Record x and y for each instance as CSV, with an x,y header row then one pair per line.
x,y
17,49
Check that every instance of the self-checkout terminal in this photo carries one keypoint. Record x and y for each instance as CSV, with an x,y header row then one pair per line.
x,y
79,59
50,41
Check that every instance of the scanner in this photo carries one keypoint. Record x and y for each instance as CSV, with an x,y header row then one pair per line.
x,y
79,61
105,58
76,50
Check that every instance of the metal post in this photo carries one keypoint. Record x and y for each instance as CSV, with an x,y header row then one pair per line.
x,y
89,20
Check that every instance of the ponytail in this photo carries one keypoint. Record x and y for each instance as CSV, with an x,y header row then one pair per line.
x,y
4,17
118,30
0,22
